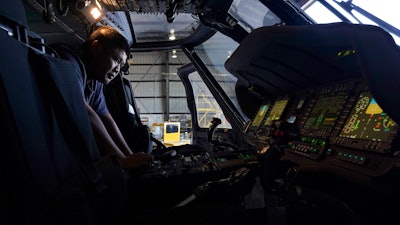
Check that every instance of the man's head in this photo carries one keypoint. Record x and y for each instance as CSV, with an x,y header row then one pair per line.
x,y
106,52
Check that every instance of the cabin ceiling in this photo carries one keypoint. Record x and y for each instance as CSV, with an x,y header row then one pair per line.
x,y
139,20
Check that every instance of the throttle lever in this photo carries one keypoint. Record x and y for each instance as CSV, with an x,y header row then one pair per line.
x,y
214,123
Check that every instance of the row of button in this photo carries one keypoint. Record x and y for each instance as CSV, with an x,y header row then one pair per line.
x,y
349,157
308,151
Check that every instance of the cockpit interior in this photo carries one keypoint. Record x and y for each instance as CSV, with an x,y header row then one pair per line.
x,y
291,112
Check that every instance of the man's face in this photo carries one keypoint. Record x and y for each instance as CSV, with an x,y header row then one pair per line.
x,y
108,63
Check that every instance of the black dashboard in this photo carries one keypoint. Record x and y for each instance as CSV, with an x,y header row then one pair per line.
x,y
341,128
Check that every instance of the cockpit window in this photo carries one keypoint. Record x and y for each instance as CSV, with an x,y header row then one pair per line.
x,y
252,14
214,52
320,14
382,13
206,105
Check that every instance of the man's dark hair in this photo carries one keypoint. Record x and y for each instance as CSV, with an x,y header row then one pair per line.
x,y
109,37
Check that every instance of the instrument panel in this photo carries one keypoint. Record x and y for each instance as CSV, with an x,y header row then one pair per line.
x,y
340,125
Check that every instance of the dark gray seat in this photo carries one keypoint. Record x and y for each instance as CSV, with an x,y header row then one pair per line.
x,y
48,148
119,95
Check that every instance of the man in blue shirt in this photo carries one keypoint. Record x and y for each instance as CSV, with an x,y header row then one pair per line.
x,y
99,61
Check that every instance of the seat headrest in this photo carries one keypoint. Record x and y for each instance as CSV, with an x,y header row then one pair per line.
x,y
14,11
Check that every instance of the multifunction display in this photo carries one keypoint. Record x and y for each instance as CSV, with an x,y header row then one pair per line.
x,y
325,112
368,121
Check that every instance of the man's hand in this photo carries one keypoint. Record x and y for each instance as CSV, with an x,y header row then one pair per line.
x,y
136,161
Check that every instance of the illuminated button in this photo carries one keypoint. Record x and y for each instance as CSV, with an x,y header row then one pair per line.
x,y
361,160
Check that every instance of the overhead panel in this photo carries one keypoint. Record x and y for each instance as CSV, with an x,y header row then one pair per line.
x,y
149,6
155,27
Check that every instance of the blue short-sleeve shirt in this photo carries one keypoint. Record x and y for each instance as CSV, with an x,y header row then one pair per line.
x,y
91,90
95,98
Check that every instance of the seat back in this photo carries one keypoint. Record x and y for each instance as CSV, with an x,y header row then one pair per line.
x,y
26,136
119,95
40,165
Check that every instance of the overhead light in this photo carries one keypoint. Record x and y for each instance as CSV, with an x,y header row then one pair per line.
x,y
171,36
95,12
92,10
174,56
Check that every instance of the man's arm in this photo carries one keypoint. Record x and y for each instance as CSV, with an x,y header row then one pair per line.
x,y
103,139
106,144
115,133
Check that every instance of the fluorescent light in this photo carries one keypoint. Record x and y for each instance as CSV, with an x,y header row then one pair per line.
x,y
92,10
174,56
171,36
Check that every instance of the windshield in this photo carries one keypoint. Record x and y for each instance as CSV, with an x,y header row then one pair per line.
x,y
206,105
382,13
214,52
252,14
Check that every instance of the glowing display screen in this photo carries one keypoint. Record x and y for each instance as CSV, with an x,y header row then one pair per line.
x,y
325,112
260,116
367,121
276,111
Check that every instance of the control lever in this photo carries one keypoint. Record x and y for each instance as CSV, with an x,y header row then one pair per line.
x,y
166,156
214,123
210,133
278,176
